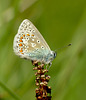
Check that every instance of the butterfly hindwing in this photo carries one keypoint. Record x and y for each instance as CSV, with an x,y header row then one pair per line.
x,y
29,43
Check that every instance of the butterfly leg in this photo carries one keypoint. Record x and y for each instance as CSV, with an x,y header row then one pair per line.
x,y
49,65
46,66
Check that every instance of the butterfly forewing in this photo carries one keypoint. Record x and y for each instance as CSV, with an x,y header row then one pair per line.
x,y
28,41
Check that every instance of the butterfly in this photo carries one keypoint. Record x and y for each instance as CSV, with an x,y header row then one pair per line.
x,y
30,44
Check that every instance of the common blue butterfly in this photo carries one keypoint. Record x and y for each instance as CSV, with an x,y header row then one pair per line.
x,y
30,44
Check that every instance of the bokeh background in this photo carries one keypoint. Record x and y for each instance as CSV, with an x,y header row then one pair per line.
x,y
61,22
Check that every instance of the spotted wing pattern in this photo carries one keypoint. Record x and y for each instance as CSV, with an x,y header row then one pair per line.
x,y
29,41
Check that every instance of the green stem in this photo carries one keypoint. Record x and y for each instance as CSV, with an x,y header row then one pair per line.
x,y
13,94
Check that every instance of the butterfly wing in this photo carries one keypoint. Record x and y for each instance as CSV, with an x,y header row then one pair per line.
x,y
29,43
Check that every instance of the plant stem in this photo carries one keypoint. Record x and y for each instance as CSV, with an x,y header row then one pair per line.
x,y
9,91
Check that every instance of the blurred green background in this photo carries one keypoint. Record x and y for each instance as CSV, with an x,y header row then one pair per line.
x,y
61,22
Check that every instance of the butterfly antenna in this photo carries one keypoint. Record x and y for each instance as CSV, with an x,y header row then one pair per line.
x,y
64,47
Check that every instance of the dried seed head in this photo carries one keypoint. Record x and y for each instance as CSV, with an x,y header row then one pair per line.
x,y
42,76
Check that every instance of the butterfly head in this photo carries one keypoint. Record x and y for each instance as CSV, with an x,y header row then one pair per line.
x,y
51,56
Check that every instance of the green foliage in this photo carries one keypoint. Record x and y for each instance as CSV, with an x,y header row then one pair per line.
x,y
61,22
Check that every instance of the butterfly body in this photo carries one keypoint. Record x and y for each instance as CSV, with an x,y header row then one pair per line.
x,y
30,44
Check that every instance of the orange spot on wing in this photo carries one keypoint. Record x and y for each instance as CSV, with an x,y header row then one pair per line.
x,y
20,44
32,34
28,34
21,37
21,40
24,35
21,50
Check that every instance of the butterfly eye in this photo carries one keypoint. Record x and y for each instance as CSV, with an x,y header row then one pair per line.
x,y
54,54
